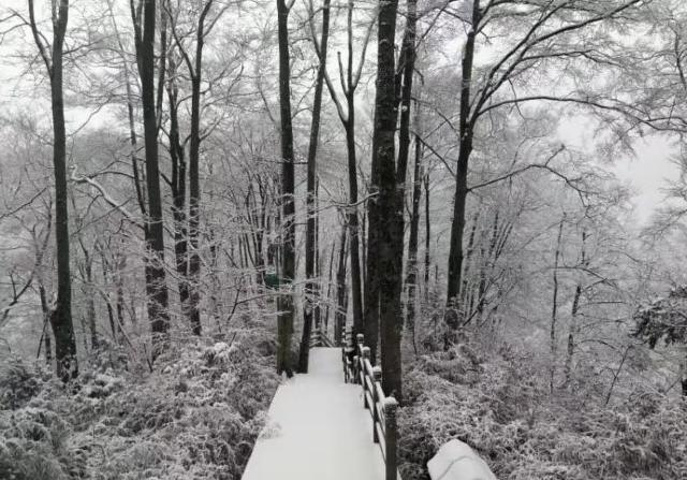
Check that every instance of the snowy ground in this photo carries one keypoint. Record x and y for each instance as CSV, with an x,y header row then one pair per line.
x,y
317,429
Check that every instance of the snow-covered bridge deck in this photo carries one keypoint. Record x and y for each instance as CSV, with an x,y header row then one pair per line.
x,y
317,429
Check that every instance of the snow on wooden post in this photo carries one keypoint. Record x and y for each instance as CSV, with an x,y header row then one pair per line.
x,y
360,341
363,376
391,434
348,354
377,377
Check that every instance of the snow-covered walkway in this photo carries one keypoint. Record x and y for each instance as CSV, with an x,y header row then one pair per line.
x,y
317,429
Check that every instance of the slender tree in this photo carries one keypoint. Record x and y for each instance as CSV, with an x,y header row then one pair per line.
x,y
349,80
194,65
288,206
312,286
61,317
144,19
389,245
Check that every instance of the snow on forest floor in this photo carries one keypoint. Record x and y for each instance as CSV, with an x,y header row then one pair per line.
x,y
317,428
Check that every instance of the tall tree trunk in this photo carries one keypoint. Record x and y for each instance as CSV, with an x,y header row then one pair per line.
x,y
61,319
428,237
90,292
554,306
45,308
411,279
178,185
455,259
196,72
390,238
465,301
372,277
156,288
574,312
337,329
341,290
288,255
311,286
408,70
108,303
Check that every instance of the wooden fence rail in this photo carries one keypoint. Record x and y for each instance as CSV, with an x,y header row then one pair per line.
x,y
358,369
318,338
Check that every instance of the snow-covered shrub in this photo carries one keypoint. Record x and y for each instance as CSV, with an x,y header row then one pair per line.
x,y
500,404
196,416
19,383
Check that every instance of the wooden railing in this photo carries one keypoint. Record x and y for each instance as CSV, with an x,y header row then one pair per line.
x,y
358,369
318,338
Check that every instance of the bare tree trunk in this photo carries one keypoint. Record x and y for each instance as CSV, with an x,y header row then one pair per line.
x,y
61,320
371,321
90,292
311,286
465,298
554,307
196,72
156,288
45,308
574,327
288,259
178,186
341,290
390,246
455,258
428,236
412,277
337,328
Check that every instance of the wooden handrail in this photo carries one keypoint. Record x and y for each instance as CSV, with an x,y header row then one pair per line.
x,y
318,338
358,369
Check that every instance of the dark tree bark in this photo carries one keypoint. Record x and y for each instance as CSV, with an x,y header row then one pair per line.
x,y
455,257
428,236
341,290
312,286
45,308
390,239
413,241
554,307
574,312
406,82
288,207
371,324
156,285
337,330
178,187
407,72
61,319
196,72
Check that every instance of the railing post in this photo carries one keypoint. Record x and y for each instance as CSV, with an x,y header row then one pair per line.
x,y
348,352
366,356
390,407
360,340
376,377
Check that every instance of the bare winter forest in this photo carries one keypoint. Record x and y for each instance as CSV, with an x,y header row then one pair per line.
x,y
193,190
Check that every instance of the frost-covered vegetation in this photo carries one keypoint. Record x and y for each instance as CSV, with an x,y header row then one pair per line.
x,y
497,399
196,416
